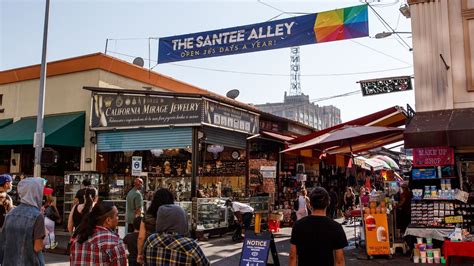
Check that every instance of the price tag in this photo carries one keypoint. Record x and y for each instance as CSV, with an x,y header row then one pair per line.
x,y
453,219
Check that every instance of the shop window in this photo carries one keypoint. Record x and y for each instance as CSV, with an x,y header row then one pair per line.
x,y
1,99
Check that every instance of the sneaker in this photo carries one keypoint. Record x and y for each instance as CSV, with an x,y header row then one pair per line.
x,y
54,245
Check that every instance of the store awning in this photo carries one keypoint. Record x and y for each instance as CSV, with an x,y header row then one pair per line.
x,y
441,128
351,137
61,130
5,122
391,117
276,136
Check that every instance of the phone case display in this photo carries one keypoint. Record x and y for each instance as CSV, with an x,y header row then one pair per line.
x,y
431,214
211,213
72,183
122,210
467,211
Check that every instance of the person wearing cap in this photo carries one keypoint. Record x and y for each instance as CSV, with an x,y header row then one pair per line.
x,y
21,241
6,202
170,244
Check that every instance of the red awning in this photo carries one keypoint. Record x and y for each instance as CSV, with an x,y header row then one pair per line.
x,y
391,117
276,136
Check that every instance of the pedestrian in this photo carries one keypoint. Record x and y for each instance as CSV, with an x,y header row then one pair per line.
x,y
332,203
303,204
349,201
79,198
51,216
95,242
78,212
131,240
317,239
6,202
243,212
21,240
134,203
148,224
170,245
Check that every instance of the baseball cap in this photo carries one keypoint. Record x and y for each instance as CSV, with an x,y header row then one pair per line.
x,y
5,178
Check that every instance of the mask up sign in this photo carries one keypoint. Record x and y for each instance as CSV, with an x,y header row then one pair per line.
x,y
339,24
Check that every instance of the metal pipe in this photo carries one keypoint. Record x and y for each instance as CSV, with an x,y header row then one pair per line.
x,y
39,134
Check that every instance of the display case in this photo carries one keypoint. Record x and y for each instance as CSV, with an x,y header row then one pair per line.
x,y
72,183
211,213
188,208
259,204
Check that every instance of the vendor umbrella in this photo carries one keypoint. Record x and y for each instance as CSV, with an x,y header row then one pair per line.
x,y
393,165
348,135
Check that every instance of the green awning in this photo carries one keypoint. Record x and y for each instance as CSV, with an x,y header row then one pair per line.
x,y
61,130
5,122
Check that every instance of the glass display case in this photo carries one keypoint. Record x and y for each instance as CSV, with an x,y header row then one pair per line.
x,y
188,208
72,183
259,203
211,213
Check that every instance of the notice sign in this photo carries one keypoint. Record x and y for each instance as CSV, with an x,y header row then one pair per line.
x,y
136,166
255,252
385,85
433,156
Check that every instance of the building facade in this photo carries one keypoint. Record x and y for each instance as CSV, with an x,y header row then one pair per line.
x,y
300,109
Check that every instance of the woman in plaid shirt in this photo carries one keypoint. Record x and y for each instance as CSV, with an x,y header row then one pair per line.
x,y
94,242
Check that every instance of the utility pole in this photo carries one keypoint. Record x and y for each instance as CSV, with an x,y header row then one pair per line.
x,y
38,139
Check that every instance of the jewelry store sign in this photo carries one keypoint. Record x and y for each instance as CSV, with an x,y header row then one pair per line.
x,y
132,110
228,117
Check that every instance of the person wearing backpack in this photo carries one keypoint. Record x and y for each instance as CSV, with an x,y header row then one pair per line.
x,y
6,202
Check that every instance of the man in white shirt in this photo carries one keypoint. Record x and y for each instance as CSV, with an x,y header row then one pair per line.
x,y
243,212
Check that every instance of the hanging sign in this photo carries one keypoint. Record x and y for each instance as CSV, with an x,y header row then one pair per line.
x,y
228,117
127,110
433,156
136,166
385,85
339,24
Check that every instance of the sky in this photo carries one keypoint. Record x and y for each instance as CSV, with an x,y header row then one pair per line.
x,y
327,69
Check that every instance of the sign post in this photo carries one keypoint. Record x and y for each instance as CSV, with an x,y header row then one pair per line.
x,y
136,165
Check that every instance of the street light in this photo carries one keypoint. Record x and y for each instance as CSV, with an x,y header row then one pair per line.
x,y
384,34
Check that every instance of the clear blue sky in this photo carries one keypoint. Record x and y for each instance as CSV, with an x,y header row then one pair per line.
x,y
81,27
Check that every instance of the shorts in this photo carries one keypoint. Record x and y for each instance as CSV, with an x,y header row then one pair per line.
x,y
247,219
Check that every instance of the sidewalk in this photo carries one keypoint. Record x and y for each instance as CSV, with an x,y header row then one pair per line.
x,y
224,252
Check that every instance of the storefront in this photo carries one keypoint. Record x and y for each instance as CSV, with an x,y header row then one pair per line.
x,y
64,137
442,177
194,146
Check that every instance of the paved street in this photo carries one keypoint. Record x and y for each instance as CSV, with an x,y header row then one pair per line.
x,y
222,251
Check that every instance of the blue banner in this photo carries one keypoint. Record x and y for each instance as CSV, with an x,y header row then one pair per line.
x,y
339,24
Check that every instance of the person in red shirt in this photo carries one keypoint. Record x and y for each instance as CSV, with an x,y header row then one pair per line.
x,y
95,242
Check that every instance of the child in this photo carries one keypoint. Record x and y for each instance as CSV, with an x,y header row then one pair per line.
x,y
131,241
